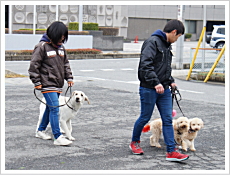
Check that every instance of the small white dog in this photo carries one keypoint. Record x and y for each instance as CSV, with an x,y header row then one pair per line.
x,y
188,137
180,126
66,113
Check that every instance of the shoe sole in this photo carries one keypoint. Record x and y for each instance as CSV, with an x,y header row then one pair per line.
x,y
62,144
43,138
135,153
176,160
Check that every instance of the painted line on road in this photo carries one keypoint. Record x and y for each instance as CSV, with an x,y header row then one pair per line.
x,y
107,69
86,70
196,92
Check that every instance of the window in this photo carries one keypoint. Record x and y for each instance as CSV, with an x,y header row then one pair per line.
x,y
190,26
221,31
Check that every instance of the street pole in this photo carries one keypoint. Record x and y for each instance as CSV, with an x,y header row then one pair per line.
x,y
34,20
10,19
80,17
203,43
56,12
180,41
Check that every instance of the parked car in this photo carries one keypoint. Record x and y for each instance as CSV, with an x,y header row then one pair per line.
x,y
218,36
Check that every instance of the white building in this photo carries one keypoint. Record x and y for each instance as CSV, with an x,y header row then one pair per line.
x,y
132,20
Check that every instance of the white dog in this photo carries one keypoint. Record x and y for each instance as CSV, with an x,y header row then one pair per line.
x,y
66,113
180,126
188,137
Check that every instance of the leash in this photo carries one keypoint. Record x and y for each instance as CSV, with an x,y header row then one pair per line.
x,y
174,92
66,103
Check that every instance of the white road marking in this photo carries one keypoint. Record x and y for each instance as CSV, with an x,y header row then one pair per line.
x,y
86,70
107,69
127,69
196,92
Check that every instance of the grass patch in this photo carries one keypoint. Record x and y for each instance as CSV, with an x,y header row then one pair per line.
x,y
218,77
9,74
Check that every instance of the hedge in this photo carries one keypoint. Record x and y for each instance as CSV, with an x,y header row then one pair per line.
x,y
30,31
69,51
85,26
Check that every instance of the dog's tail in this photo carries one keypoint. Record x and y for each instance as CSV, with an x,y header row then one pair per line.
x,y
146,128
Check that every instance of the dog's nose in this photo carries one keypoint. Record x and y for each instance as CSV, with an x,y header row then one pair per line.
x,y
77,99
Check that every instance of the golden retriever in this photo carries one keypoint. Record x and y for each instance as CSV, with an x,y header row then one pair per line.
x,y
65,113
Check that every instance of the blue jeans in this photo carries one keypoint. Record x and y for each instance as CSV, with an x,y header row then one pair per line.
x,y
148,98
51,114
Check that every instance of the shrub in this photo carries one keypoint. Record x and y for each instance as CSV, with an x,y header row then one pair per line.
x,y
83,51
188,35
42,31
69,51
112,31
85,26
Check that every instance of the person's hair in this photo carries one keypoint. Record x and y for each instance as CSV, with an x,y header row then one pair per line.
x,y
174,24
56,30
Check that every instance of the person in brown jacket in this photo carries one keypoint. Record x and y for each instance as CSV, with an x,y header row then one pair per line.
x,y
49,67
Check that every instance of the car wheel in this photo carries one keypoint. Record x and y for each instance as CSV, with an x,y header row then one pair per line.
x,y
219,46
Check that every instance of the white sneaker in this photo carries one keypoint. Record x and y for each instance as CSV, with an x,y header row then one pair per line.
x,y
61,140
43,135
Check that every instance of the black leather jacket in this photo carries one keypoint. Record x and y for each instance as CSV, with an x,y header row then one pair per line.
x,y
155,63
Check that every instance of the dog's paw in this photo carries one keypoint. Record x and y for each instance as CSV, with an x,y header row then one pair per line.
x,y
158,145
193,149
71,138
184,149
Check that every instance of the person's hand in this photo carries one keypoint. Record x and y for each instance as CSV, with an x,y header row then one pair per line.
x,y
159,89
70,83
38,87
173,85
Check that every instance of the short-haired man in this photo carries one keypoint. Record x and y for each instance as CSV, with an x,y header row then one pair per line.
x,y
154,73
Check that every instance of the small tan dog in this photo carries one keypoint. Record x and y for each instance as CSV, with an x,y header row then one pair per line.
x,y
180,126
188,138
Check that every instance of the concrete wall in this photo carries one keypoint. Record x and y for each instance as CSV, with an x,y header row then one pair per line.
x,y
107,43
144,27
27,42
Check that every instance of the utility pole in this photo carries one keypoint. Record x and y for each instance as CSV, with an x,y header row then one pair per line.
x,y
80,17
34,20
203,43
56,12
180,41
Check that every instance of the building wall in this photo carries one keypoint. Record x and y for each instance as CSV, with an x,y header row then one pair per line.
x,y
132,20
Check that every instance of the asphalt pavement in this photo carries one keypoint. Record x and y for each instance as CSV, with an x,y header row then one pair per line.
x,y
103,132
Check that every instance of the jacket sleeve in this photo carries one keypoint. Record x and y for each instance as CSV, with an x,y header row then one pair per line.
x,y
68,72
35,64
146,71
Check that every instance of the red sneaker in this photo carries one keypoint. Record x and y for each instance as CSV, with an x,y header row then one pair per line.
x,y
176,156
135,148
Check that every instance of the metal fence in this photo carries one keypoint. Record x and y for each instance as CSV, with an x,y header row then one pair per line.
x,y
206,58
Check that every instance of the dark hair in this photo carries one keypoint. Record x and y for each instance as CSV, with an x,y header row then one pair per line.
x,y
174,24
56,30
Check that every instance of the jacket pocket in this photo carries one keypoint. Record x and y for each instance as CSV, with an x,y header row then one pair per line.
x,y
161,51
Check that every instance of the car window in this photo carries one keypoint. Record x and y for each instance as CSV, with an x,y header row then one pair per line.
x,y
221,31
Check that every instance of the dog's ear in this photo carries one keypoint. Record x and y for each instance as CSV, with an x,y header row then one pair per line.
x,y
175,126
86,99
202,123
73,93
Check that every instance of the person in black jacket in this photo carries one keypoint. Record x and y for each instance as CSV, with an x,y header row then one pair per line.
x,y
49,67
154,73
